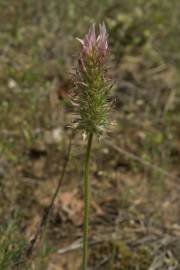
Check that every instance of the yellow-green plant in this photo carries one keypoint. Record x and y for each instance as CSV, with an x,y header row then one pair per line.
x,y
93,107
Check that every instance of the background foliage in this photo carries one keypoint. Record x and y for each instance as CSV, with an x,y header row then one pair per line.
x,y
37,53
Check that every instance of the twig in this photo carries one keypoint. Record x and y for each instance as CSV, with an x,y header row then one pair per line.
x,y
157,262
101,263
112,237
77,245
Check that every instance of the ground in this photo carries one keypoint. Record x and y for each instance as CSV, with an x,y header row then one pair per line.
x,y
134,211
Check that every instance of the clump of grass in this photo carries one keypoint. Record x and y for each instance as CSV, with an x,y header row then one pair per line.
x,y
131,259
11,244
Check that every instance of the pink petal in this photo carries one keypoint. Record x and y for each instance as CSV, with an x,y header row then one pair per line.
x,y
90,40
80,40
102,39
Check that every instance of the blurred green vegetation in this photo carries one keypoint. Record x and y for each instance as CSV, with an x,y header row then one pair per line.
x,y
12,243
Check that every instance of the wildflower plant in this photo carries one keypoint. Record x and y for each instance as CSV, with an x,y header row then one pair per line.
x,y
93,106
92,83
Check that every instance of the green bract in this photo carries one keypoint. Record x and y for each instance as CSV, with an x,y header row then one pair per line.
x,y
92,84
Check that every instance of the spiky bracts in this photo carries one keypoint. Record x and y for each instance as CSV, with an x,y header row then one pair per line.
x,y
92,83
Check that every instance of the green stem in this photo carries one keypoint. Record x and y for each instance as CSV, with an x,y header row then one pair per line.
x,y
86,201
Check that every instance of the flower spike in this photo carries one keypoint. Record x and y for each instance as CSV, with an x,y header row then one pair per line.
x,y
92,83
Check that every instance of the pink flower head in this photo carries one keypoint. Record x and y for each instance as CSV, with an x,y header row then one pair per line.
x,y
95,46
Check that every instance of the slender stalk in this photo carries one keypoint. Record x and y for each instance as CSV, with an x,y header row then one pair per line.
x,y
86,201
45,217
